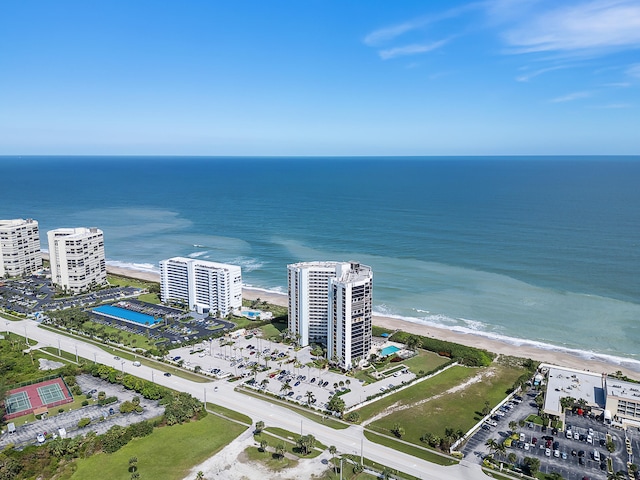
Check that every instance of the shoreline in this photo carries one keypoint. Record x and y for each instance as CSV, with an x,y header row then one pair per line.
x,y
556,357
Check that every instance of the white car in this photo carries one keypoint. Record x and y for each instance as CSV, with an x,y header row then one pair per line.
x,y
547,452
40,438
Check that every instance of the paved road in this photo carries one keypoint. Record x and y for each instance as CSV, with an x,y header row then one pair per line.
x,y
350,440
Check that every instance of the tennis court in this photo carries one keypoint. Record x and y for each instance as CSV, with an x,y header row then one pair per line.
x,y
50,393
23,400
17,402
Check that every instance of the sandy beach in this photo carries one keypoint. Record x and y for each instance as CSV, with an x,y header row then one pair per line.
x,y
492,345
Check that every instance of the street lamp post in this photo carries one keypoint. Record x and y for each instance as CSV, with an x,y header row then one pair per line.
x,y
59,347
76,353
26,338
122,366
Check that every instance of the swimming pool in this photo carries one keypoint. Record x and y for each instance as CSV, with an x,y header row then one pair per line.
x,y
386,351
127,315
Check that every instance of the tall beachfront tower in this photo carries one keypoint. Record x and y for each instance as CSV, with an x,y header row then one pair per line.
x,y
19,247
203,286
77,258
350,304
309,300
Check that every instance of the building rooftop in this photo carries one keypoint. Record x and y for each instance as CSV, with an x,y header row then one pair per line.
x,y
204,263
622,389
568,382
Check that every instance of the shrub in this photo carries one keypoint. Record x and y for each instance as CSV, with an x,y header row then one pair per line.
x,y
84,403
108,400
61,410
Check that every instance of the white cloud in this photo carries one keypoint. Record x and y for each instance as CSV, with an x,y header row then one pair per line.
x,y
525,77
571,97
389,33
600,25
413,49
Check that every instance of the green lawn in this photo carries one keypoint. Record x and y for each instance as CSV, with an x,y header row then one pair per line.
x,y
167,454
455,410
411,450
268,458
52,355
269,433
127,338
232,414
425,361
425,389
69,357
272,330
119,281
150,298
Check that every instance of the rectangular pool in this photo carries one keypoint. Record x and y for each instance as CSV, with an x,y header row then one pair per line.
x,y
386,351
126,315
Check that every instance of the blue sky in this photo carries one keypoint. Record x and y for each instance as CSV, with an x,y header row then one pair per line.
x,y
320,77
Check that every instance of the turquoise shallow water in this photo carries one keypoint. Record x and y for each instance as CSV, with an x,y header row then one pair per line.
x,y
540,250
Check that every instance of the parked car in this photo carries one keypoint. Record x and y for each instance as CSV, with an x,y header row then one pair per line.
x,y
167,374
40,438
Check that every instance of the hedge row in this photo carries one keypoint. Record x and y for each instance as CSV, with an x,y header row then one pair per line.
x,y
470,356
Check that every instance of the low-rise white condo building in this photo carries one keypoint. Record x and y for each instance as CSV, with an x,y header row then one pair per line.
x,y
77,258
203,286
19,247
330,303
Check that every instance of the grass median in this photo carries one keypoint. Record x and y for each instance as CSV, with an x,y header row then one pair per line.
x,y
300,410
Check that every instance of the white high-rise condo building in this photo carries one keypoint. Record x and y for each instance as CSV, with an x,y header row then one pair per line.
x,y
330,303
309,300
77,258
203,286
19,247
350,303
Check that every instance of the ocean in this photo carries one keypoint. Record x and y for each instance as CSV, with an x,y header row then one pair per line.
x,y
537,250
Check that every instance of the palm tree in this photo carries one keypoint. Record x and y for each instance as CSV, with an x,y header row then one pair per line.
x,y
280,450
263,445
513,425
310,397
332,451
200,476
501,449
286,387
264,383
492,445
254,369
619,475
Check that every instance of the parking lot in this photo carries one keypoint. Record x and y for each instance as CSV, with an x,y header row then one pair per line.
x,y
102,417
575,452
277,365
36,294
